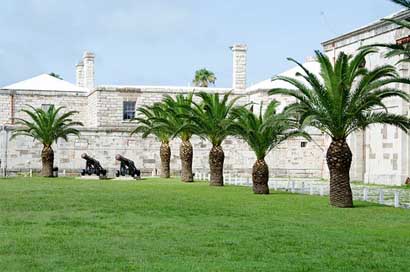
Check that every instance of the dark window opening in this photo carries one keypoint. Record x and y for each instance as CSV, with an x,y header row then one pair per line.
x,y
128,110
303,144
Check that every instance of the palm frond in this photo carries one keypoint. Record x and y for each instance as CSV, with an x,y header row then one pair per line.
x,y
47,126
347,99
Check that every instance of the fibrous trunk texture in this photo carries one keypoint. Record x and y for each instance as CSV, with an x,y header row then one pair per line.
x,y
216,166
260,177
186,153
339,160
165,154
47,159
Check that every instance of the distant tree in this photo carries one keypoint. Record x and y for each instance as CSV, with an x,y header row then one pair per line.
x,y
55,75
263,132
204,78
47,127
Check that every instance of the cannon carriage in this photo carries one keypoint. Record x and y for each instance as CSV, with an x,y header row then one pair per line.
x,y
127,168
92,167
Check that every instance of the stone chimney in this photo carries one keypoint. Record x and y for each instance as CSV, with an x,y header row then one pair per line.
x,y
239,66
80,74
88,60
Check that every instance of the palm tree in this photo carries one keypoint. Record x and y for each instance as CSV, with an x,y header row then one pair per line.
x,y
347,97
47,127
263,132
213,121
146,126
55,75
203,78
175,118
400,48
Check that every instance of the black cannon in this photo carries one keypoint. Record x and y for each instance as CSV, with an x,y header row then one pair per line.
x,y
92,167
127,168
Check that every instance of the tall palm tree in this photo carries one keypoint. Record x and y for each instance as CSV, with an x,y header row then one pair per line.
x,y
263,132
203,78
146,126
213,121
400,48
347,97
176,119
47,127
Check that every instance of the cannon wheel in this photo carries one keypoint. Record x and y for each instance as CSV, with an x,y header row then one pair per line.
x,y
117,174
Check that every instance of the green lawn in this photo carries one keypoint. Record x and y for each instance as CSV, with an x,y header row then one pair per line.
x,y
157,225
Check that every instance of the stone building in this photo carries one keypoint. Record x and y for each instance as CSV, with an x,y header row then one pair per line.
x,y
380,153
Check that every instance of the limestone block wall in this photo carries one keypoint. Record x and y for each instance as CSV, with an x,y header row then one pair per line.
x,y
72,101
92,110
290,159
4,107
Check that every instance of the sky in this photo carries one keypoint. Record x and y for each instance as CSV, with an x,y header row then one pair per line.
x,y
163,42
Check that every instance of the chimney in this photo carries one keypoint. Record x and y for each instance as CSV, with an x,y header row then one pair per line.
x,y
239,66
88,61
80,74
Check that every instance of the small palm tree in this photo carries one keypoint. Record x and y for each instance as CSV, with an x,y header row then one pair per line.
x,y
264,132
55,75
213,121
398,49
146,126
47,127
175,118
347,97
203,78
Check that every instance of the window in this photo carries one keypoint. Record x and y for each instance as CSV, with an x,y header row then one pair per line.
x,y
45,107
128,110
303,144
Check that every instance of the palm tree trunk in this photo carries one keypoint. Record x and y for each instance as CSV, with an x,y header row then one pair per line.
x,y
47,159
186,153
339,160
165,154
260,177
216,165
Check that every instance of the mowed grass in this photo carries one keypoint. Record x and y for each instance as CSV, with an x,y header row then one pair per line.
x,y
164,225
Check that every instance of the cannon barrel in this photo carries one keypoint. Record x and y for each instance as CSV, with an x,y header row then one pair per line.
x,y
123,159
92,166
88,158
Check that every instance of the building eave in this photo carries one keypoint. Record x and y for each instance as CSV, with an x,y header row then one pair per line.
x,y
401,15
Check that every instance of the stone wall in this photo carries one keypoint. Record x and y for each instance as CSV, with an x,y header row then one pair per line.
x,y
289,159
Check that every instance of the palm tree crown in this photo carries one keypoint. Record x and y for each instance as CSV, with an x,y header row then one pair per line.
x,y
203,78
47,126
175,115
147,125
348,97
212,117
266,130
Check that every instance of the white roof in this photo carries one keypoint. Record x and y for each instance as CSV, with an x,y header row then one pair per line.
x,y
45,82
312,65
